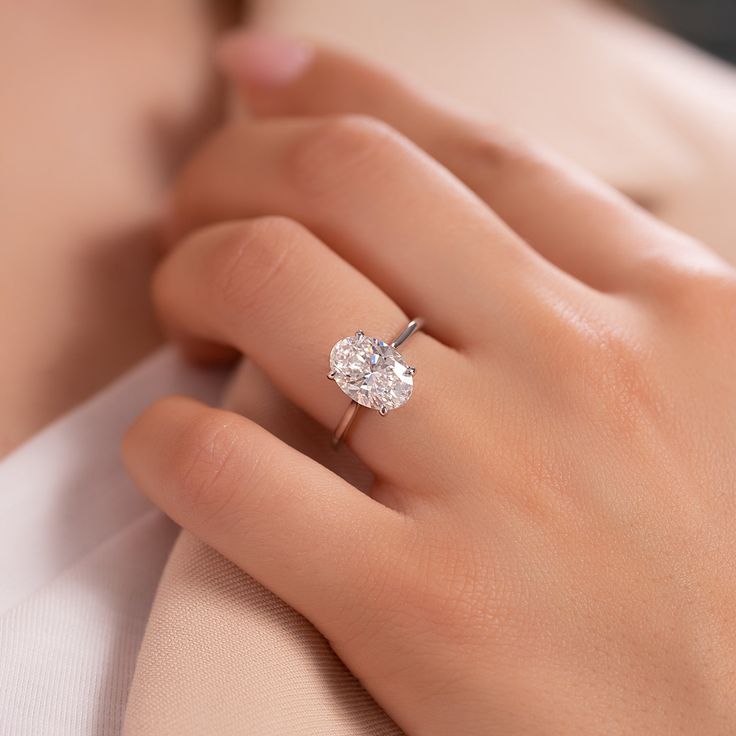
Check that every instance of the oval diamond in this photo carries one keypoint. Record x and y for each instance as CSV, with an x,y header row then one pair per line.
x,y
371,372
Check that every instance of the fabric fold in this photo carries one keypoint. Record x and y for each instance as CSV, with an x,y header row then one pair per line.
x,y
222,655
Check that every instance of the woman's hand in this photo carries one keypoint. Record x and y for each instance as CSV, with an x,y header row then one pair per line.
x,y
548,545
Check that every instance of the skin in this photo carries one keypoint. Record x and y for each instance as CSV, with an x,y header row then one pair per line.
x,y
643,111
88,155
546,546
646,113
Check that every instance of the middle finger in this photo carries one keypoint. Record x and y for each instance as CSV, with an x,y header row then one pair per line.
x,y
384,205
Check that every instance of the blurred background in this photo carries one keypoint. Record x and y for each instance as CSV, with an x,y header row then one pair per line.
x,y
711,24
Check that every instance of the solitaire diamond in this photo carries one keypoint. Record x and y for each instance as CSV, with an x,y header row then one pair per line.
x,y
371,372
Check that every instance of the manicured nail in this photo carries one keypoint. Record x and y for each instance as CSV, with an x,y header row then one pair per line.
x,y
263,59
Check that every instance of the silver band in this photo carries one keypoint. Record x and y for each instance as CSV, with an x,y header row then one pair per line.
x,y
351,412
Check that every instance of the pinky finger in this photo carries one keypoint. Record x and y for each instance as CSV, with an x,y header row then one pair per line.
x,y
296,527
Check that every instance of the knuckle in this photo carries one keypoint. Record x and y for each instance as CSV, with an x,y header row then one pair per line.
x,y
614,378
495,148
336,148
202,464
250,261
704,294
616,371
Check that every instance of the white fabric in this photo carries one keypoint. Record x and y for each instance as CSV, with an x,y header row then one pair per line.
x,y
81,553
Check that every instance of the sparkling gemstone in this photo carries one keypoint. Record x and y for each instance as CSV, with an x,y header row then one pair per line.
x,y
371,372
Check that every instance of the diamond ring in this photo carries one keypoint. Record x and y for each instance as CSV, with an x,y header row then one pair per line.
x,y
372,373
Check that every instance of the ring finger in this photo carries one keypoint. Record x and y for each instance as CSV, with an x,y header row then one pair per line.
x,y
271,289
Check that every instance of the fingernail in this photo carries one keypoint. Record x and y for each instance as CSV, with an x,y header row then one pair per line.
x,y
263,59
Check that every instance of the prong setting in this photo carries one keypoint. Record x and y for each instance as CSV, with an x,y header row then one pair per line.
x,y
371,372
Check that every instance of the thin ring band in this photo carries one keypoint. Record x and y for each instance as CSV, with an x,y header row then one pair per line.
x,y
351,412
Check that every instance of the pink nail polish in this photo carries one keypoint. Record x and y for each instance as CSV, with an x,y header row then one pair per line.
x,y
263,59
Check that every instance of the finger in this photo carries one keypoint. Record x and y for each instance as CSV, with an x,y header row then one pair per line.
x,y
275,292
574,220
252,394
295,526
383,205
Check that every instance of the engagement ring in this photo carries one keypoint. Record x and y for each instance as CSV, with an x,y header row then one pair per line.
x,y
372,373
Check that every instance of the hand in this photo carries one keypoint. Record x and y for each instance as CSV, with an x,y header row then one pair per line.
x,y
548,544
